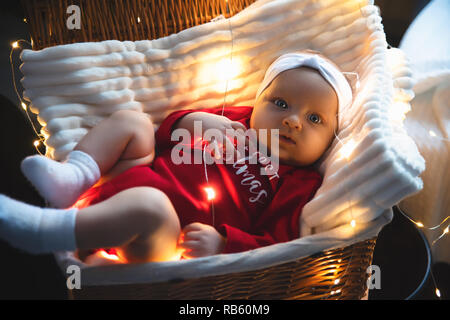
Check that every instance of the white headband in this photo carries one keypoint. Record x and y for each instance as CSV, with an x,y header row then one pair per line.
x,y
331,74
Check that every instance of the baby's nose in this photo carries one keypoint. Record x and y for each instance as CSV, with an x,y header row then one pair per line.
x,y
293,122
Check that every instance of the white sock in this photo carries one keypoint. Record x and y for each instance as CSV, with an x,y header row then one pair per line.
x,y
61,184
34,229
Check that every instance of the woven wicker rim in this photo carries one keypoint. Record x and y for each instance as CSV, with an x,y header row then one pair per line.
x,y
120,20
334,274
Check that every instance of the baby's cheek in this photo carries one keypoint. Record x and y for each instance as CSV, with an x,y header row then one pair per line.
x,y
319,146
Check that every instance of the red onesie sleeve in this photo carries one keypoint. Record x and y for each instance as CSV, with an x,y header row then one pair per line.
x,y
280,220
163,134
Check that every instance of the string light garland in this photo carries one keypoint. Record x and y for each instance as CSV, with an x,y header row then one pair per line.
x,y
211,194
440,225
231,63
16,45
345,152
418,224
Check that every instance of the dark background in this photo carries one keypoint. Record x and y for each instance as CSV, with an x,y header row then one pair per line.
x,y
400,252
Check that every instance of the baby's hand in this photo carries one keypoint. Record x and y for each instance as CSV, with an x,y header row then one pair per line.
x,y
201,240
220,123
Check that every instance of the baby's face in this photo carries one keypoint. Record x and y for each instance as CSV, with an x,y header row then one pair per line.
x,y
303,106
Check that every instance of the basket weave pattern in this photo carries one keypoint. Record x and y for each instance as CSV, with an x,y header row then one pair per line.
x,y
120,20
310,278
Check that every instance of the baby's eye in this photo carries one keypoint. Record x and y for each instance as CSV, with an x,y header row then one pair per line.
x,y
280,103
314,118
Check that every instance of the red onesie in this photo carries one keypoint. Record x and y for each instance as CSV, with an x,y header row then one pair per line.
x,y
251,210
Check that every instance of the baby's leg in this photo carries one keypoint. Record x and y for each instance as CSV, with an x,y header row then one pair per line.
x,y
140,223
123,140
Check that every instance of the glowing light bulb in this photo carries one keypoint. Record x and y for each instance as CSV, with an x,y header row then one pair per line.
x,y
438,293
24,106
210,193
36,143
177,255
335,292
15,44
221,74
419,224
226,69
353,223
108,256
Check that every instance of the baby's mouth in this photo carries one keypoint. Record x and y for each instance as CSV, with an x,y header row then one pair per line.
x,y
286,139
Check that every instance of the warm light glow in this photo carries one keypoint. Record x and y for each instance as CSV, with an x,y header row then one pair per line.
x,y
347,149
419,224
438,293
211,194
337,281
353,223
138,19
336,292
226,69
178,254
220,74
108,256
15,44
24,106
445,230
36,143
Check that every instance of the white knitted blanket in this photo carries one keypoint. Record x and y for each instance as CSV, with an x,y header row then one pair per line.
x,y
374,163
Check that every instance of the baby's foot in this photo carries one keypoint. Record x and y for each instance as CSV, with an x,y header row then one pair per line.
x,y
61,184
35,229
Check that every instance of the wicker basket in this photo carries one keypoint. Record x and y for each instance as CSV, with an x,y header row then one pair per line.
x,y
120,19
312,277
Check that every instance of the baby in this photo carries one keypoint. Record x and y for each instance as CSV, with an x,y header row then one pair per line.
x,y
125,192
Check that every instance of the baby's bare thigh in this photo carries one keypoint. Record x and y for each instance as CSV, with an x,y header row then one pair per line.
x,y
140,222
141,147
142,142
158,225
